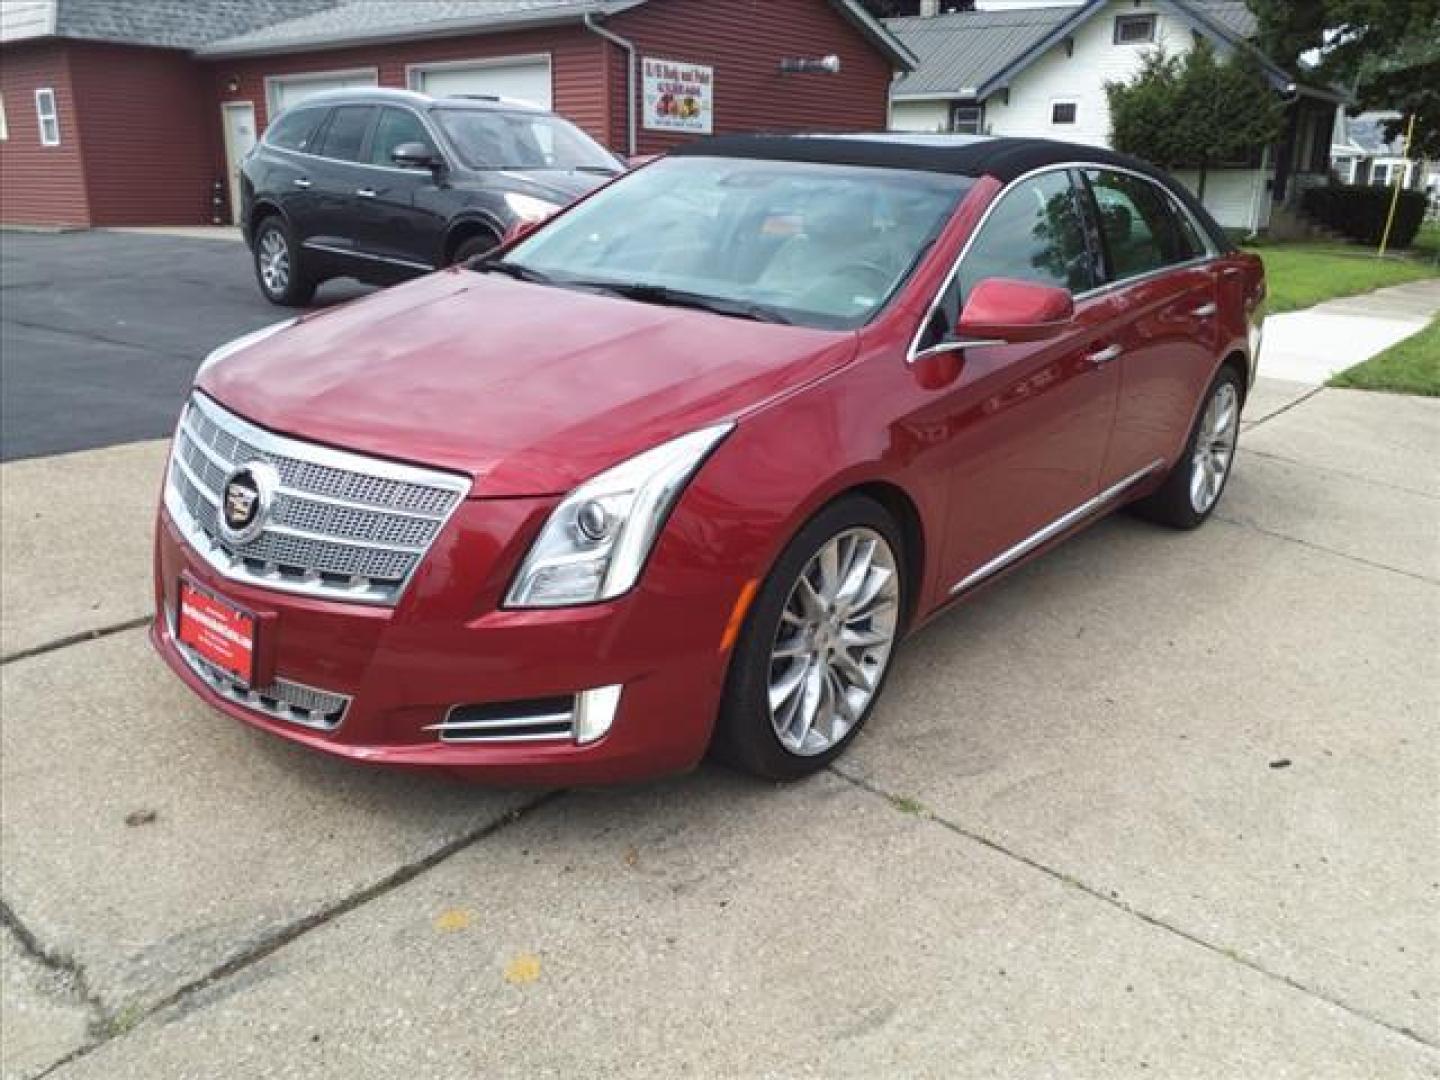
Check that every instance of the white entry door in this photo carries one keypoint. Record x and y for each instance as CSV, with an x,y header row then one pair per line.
x,y
240,136
523,78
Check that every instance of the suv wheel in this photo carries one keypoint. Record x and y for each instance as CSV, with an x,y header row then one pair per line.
x,y
478,244
278,267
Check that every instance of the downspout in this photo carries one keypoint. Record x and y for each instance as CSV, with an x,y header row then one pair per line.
x,y
629,47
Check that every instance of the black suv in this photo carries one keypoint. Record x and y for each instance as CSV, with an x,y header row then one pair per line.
x,y
384,184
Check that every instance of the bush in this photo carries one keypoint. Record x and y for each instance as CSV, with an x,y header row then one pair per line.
x,y
1360,212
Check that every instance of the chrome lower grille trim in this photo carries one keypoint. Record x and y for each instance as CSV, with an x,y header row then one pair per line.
x,y
293,702
342,526
548,719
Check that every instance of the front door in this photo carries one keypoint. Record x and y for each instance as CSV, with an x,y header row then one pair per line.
x,y
240,136
402,220
1028,424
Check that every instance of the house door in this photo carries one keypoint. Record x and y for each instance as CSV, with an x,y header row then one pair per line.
x,y
240,138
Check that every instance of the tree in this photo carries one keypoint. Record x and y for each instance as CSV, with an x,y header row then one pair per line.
x,y
1194,111
1387,52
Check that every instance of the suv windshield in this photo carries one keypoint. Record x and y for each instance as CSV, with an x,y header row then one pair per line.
x,y
817,245
501,139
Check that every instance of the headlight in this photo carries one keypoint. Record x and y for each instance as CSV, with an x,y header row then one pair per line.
x,y
529,208
596,541
232,347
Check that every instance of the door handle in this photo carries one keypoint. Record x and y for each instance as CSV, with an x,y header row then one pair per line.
x,y
301,182
1104,356
1204,311
365,192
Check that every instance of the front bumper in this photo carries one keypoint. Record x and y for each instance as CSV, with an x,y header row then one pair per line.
x,y
448,643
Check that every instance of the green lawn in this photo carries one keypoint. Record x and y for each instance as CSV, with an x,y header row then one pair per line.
x,y
1409,367
1302,274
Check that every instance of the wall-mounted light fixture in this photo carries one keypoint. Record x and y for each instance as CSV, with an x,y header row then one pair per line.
x,y
799,65
232,84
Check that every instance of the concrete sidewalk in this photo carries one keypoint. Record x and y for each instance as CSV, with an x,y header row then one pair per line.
x,y
1159,804
1308,347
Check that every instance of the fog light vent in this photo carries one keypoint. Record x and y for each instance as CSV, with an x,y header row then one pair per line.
x,y
509,721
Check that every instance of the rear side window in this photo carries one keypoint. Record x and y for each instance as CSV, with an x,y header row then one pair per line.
x,y
1140,226
294,130
1035,233
396,126
345,137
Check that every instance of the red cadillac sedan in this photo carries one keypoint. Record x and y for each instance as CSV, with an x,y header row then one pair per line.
x,y
677,470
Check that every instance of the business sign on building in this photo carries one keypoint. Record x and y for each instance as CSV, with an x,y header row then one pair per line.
x,y
678,97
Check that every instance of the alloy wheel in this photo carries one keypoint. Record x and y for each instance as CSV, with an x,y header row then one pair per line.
x,y
836,634
274,257
1214,447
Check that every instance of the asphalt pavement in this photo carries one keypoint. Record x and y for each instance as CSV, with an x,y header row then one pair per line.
x,y
100,332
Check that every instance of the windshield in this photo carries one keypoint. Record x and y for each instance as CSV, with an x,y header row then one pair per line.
x,y
499,139
817,245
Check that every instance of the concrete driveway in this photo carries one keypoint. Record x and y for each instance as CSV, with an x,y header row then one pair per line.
x,y
1156,805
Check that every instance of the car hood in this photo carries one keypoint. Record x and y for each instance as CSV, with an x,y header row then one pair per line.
x,y
528,389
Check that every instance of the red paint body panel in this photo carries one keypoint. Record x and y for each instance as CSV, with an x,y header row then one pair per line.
x,y
531,390
489,376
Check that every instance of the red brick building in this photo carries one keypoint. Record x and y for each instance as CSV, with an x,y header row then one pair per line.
x,y
137,113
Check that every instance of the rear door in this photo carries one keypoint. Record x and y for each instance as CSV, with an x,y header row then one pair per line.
x,y
1161,278
337,177
402,218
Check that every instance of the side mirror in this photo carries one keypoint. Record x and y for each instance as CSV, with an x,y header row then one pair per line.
x,y
415,155
1005,310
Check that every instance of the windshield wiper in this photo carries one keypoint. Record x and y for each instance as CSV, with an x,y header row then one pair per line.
x,y
663,294
510,269
598,170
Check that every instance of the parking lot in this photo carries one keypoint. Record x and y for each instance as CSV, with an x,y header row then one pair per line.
x,y
1157,804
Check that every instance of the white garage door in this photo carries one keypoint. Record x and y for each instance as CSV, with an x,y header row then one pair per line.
x,y
287,90
523,78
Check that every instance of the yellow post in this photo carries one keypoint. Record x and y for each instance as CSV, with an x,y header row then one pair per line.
x,y
1395,195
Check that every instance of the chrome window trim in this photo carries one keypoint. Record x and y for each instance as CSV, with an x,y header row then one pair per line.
x,y
1054,529
422,117
914,353
235,568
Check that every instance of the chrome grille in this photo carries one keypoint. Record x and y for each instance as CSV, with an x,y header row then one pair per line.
x,y
341,526
281,699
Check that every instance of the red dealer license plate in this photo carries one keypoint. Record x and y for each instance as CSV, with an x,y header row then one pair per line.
x,y
218,630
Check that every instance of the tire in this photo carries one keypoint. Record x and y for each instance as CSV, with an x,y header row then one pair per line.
x,y
279,269
1180,502
776,643
475,245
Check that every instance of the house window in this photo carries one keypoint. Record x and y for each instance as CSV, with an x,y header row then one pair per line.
x,y
1380,175
48,116
1134,29
966,119
1062,112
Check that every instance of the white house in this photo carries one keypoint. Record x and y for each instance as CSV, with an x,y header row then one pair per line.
x,y
1041,72
1361,154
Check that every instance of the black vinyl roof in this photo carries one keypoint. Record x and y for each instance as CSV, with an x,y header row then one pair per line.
x,y
1005,159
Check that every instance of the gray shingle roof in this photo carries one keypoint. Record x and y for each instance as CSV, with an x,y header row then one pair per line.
x,y
359,20
1233,15
963,51
1366,133
176,24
